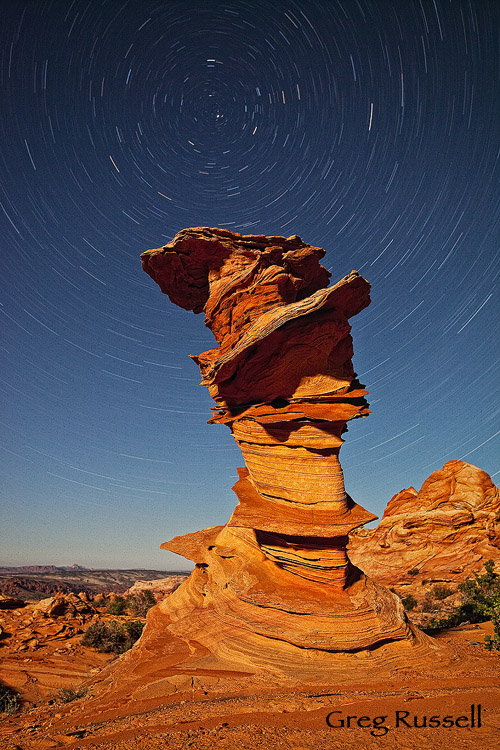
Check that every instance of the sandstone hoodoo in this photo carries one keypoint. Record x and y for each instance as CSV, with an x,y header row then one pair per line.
x,y
444,532
273,590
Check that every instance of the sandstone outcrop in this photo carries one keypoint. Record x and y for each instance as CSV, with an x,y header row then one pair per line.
x,y
444,532
64,605
273,594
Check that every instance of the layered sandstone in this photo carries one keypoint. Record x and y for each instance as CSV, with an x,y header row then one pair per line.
x,y
273,591
444,532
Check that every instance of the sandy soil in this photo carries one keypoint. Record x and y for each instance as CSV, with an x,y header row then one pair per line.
x,y
294,719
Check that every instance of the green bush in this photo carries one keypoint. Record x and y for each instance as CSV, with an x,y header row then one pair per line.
x,y
103,637
134,630
481,601
116,606
66,695
139,604
135,604
440,592
9,700
113,637
409,602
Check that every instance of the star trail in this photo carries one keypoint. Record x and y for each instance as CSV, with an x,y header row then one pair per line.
x,y
367,127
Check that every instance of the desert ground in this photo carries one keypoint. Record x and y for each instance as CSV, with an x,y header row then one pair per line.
x,y
250,713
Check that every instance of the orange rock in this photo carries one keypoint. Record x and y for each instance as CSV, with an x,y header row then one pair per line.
x,y
63,605
446,531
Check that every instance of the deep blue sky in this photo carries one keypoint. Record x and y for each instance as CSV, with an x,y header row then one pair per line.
x,y
368,127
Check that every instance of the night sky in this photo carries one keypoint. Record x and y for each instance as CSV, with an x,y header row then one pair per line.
x,y
368,127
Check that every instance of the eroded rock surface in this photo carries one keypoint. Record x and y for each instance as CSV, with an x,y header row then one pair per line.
x,y
40,649
444,532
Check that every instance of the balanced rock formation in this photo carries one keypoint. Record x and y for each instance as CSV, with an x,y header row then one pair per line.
x,y
273,591
444,532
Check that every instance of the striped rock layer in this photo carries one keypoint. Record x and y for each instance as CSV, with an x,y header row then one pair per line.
x,y
282,380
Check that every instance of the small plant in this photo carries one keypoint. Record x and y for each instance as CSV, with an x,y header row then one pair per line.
x,y
409,602
66,695
413,572
134,630
441,592
105,638
113,637
139,604
492,643
9,700
116,606
481,601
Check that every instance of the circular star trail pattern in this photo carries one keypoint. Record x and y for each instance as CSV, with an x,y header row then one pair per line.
x,y
368,127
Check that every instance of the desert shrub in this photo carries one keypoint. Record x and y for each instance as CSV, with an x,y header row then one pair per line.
x,y
133,629
9,700
66,695
104,637
113,637
116,606
413,572
135,604
409,602
440,592
139,604
481,601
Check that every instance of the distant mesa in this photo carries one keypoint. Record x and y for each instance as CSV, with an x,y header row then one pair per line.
x,y
41,569
444,532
